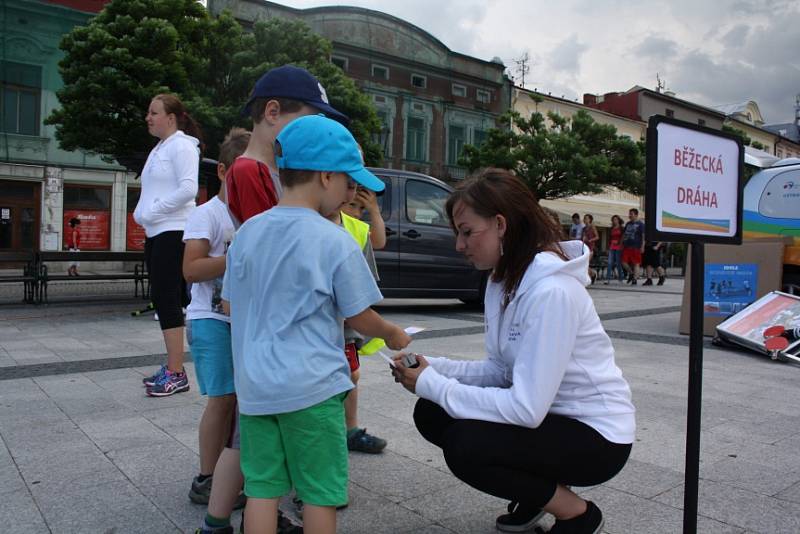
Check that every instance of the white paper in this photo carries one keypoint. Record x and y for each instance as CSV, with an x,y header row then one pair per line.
x,y
387,358
411,330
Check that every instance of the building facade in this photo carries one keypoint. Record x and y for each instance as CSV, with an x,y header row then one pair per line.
x,y
432,100
41,186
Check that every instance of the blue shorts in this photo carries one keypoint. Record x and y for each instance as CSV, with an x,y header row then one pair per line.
x,y
210,344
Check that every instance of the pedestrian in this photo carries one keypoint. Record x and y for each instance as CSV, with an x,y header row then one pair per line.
x,y
74,244
632,245
615,249
169,188
589,238
548,408
208,233
576,230
653,261
253,186
290,371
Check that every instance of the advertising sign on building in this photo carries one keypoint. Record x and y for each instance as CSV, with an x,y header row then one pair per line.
x,y
694,183
134,234
95,229
729,288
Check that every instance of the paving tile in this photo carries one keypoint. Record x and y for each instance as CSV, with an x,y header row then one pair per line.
x,y
19,513
369,512
739,507
159,461
396,478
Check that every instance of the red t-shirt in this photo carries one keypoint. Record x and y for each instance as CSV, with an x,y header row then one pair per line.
x,y
249,189
616,238
74,240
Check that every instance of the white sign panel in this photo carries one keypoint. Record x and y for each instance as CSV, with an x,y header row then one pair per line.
x,y
698,180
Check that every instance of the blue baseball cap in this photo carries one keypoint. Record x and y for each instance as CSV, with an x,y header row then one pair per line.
x,y
294,83
316,143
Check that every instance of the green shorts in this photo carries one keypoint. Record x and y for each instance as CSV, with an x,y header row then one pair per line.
x,y
306,449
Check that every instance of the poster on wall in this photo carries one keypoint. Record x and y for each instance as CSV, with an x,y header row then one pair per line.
x,y
94,229
134,234
729,288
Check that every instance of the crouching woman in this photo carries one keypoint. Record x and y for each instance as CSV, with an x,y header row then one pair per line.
x,y
547,408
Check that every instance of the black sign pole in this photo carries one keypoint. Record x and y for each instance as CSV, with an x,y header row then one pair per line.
x,y
695,389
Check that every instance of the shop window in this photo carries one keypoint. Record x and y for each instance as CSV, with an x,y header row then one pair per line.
x,y
20,98
92,207
415,139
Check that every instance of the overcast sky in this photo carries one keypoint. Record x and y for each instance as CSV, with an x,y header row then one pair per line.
x,y
711,52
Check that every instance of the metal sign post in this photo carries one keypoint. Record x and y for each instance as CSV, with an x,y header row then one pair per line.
x,y
694,194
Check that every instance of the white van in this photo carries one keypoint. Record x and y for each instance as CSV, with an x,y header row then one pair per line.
x,y
772,205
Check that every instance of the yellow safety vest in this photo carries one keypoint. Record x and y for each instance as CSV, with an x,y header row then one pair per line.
x,y
358,229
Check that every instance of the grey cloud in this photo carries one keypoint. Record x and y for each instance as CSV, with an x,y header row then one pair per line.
x,y
656,48
566,56
736,37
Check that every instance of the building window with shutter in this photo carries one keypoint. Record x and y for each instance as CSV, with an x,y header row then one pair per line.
x,y
456,139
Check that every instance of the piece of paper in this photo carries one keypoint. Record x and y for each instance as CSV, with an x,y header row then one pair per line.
x,y
387,358
411,330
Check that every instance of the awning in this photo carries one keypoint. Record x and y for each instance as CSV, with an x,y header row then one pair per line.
x,y
600,209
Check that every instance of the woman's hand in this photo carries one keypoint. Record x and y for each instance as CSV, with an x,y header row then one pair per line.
x,y
405,376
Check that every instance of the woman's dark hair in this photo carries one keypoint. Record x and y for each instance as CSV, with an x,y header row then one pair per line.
x,y
619,220
173,104
591,217
74,221
529,229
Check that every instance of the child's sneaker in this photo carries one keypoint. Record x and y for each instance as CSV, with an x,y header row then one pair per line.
x,y
170,384
151,381
360,441
520,518
200,492
589,522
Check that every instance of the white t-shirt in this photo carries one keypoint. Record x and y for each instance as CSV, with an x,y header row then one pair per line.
x,y
212,222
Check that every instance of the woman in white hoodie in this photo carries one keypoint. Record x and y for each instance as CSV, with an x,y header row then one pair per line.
x,y
169,187
548,408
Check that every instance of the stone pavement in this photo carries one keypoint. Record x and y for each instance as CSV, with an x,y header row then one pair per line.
x,y
83,450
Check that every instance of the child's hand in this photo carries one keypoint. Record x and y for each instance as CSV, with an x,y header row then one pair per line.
x,y
368,199
398,339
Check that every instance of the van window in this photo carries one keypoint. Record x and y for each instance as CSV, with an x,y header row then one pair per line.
x,y
425,203
781,196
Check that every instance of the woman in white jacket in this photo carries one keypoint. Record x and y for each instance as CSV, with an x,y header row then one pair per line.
x,y
548,408
169,187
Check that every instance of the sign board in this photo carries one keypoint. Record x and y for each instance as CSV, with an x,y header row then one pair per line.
x,y
774,309
134,234
95,228
694,183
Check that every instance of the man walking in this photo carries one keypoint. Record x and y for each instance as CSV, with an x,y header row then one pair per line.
x,y
632,245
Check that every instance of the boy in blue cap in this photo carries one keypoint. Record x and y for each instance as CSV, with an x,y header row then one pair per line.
x,y
292,277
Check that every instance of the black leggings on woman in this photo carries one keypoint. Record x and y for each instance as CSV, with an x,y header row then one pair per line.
x,y
163,255
517,463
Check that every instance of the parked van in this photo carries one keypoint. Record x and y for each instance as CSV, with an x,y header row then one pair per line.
x,y
772,206
420,258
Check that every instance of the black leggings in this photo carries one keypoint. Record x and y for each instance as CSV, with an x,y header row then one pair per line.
x,y
163,255
517,463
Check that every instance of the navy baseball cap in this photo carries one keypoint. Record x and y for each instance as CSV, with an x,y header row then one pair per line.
x,y
316,143
294,83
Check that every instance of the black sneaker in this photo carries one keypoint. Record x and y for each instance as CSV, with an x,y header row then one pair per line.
x,y
633,281
661,280
648,282
589,522
362,442
285,525
520,518
200,492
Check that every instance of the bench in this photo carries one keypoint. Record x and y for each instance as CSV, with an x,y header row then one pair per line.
x,y
138,275
27,259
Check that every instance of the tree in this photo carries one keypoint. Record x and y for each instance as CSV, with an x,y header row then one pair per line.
x,y
738,133
135,49
571,156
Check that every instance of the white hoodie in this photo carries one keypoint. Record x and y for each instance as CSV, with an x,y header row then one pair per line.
x,y
547,353
169,184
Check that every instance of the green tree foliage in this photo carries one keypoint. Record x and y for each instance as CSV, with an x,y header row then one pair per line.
x,y
757,145
135,49
570,156
738,133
